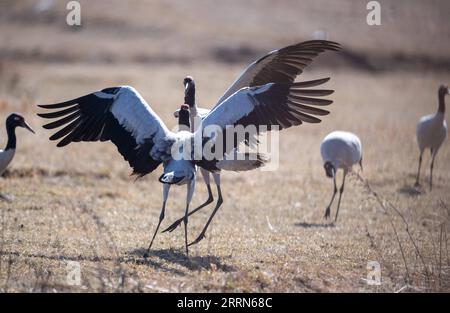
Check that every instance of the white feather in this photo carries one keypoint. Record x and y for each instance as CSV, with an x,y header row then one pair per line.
x,y
232,109
202,112
342,149
431,131
133,112
246,77
179,168
6,157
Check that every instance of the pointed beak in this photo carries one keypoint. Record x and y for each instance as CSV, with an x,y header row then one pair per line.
x,y
25,125
329,170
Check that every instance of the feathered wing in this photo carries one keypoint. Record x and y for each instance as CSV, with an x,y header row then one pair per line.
x,y
280,66
119,114
281,105
202,112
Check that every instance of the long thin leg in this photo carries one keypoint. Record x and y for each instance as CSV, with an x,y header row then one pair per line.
x,y
327,211
210,199
340,195
219,203
418,170
166,188
190,192
431,169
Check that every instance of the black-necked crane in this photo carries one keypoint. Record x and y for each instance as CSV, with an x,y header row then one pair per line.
x,y
196,113
264,95
13,121
339,150
196,116
431,132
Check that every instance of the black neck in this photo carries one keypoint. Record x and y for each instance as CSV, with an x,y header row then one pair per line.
x,y
11,131
189,97
441,108
183,120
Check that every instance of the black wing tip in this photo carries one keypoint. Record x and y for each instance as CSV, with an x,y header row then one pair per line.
x,y
325,43
46,106
59,105
311,83
53,138
61,143
48,126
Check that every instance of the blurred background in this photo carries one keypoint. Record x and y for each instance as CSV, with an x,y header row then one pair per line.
x,y
413,35
78,203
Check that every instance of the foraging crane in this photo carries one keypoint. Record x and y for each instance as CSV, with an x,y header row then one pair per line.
x,y
196,116
431,132
264,95
339,149
12,121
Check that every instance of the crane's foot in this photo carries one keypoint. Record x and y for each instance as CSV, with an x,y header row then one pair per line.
x,y
174,225
327,213
199,238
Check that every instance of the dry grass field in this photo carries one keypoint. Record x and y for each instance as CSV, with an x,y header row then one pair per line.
x,y
80,204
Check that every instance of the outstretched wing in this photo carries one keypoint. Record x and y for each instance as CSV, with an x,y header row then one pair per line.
x,y
119,114
280,66
281,105
202,112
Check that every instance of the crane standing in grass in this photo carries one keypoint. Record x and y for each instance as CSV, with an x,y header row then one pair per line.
x,y
13,121
431,132
339,149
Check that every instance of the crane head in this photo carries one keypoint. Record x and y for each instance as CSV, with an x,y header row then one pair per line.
x,y
444,90
189,91
329,169
16,120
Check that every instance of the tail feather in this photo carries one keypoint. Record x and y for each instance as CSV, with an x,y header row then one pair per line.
x,y
243,161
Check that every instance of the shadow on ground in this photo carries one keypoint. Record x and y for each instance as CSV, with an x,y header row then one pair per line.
x,y
157,259
314,225
193,263
409,190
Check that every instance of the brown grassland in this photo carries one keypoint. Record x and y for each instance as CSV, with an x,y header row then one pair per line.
x,y
80,204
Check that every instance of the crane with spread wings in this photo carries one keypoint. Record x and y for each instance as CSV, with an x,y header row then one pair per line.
x,y
265,94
